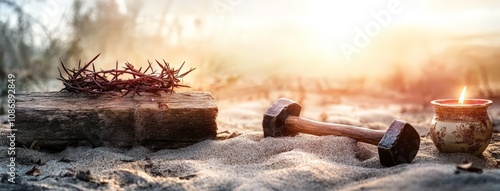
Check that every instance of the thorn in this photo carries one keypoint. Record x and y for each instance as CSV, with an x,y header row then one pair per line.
x,y
86,65
60,74
180,68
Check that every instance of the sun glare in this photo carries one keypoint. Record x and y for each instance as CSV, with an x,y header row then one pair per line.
x,y
122,7
336,20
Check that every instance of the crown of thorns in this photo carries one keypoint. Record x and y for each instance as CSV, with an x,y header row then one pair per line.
x,y
84,80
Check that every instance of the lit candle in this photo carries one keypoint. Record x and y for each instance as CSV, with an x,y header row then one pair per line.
x,y
461,125
462,96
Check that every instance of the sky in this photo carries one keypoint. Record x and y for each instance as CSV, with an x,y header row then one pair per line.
x,y
323,16
331,34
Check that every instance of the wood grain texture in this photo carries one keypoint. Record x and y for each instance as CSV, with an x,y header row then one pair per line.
x,y
53,120
302,125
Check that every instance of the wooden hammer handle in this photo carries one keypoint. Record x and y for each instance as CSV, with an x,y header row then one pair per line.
x,y
301,125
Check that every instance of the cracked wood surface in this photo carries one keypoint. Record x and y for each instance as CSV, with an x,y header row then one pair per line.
x,y
53,120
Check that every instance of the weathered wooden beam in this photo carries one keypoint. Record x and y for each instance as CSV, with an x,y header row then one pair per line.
x,y
53,120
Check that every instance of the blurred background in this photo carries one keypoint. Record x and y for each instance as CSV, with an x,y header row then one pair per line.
x,y
403,50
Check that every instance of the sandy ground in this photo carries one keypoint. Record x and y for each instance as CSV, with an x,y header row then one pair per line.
x,y
251,162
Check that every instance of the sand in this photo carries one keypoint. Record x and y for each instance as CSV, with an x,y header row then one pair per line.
x,y
251,162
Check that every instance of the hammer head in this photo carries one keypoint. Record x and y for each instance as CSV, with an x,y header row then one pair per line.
x,y
400,144
274,118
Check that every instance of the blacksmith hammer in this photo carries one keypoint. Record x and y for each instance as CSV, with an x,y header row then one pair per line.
x,y
399,144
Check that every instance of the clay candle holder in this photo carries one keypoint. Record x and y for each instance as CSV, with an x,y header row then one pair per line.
x,y
463,127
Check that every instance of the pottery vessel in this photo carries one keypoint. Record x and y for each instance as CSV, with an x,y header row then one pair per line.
x,y
464,128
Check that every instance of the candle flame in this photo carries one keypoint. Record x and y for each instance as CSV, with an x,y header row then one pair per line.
x,y
462,96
